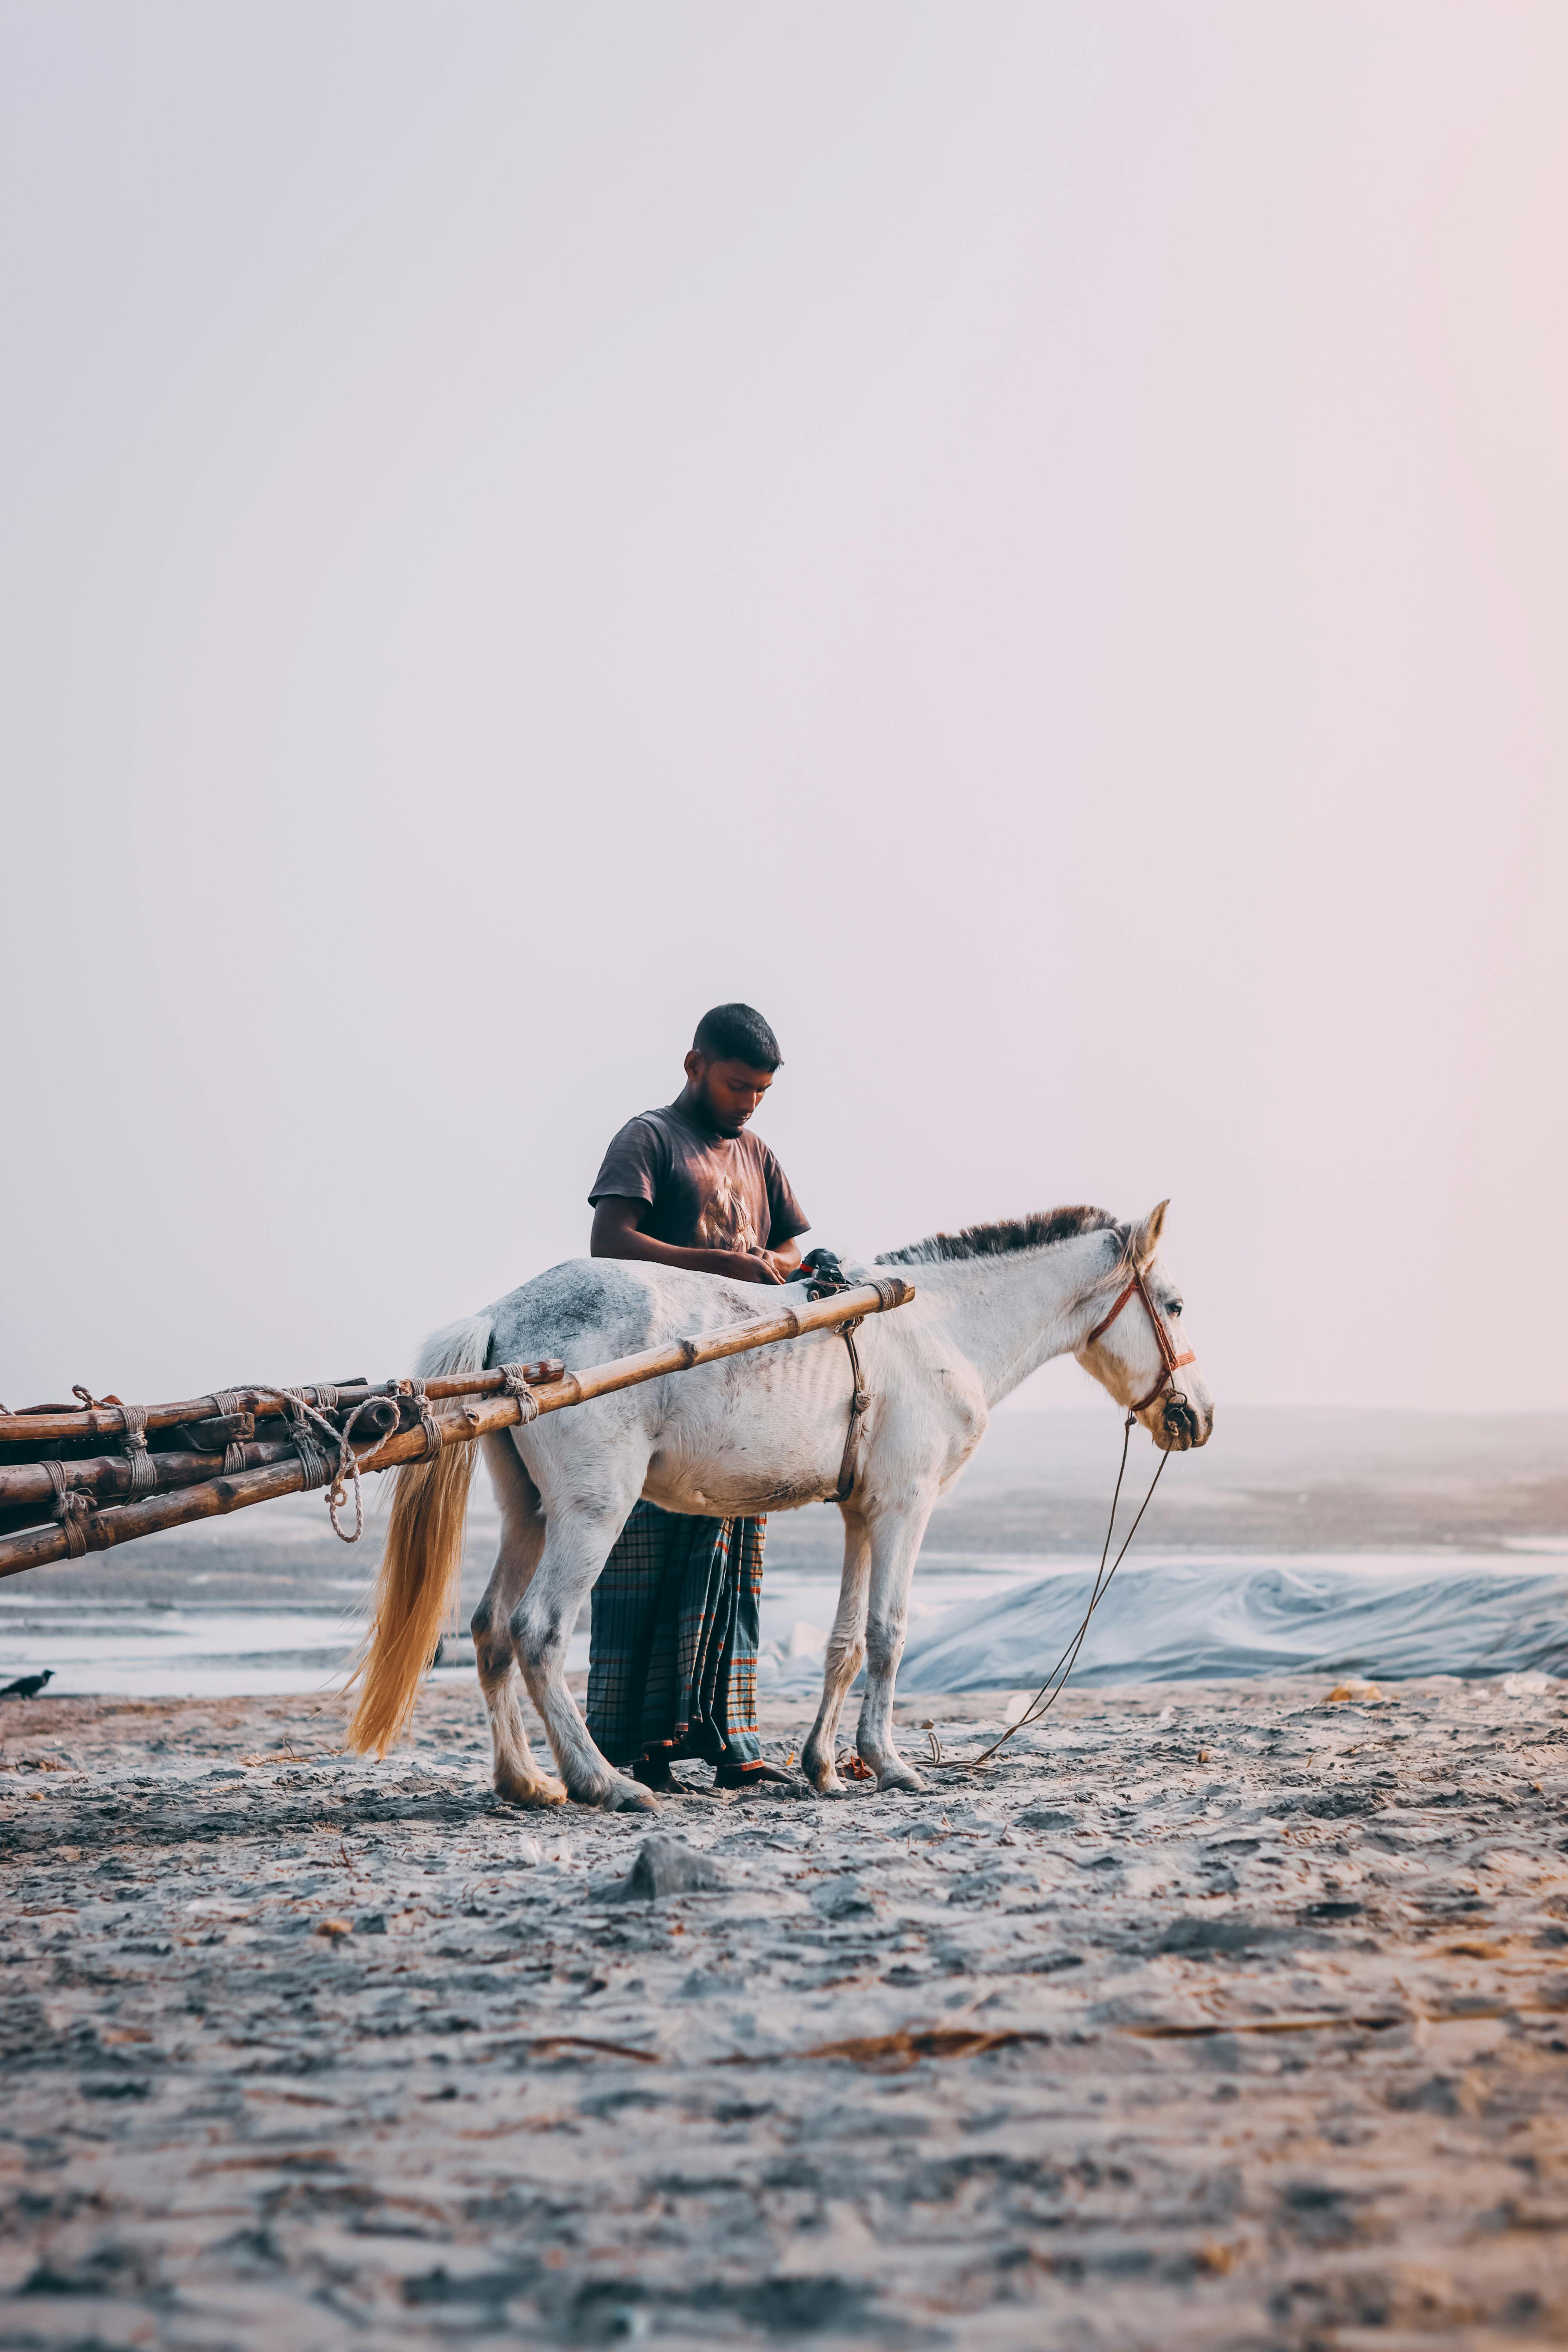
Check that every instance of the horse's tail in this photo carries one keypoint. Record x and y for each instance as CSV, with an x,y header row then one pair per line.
x,y
424,1554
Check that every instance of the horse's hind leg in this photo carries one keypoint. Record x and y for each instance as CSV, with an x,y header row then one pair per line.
x,y
846,1648
517,1774
576,1546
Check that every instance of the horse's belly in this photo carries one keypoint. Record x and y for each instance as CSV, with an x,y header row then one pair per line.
x,y
729,1489
767,1434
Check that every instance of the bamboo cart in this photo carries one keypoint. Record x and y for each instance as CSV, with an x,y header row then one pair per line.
x,y
83,1478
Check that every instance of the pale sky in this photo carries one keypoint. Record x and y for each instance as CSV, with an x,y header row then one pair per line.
x,y
1027,541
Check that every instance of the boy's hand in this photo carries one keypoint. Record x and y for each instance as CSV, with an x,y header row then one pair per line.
x,y
750,1266
617,1234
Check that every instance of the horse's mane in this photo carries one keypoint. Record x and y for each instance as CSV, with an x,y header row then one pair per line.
x,y
1001,1240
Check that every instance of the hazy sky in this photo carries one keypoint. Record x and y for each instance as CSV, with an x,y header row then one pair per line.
x,y
1028,541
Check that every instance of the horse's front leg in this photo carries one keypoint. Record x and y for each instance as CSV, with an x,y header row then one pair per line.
x,y
576,1546
846,1648
896,1537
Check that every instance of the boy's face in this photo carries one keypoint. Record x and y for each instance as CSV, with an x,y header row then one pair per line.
x,y
729,1091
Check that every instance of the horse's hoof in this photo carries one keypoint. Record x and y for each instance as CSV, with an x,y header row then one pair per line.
x,y
831,1787
624,1796
531,1793
900,1777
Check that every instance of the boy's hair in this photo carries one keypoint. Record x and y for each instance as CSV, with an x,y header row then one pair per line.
x,y
735,1033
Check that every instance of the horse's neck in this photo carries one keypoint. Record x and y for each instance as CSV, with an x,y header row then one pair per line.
x,y
1011,1315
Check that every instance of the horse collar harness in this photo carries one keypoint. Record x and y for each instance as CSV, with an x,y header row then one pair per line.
x,y
1171,1363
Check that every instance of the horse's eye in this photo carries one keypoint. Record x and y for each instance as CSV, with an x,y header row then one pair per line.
x,y
1175,1307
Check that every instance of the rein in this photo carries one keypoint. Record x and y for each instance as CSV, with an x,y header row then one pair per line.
x,y
1056,1681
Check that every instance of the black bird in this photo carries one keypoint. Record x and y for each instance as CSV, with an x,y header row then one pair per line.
x,y
28,1685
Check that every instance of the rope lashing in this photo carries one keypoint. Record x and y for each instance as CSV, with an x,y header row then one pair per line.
x,y
427,1422
134,1420
144,1477
516,1385
318,1466
227,1402
314,1461
71,1508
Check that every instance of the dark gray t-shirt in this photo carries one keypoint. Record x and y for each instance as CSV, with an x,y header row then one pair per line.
x,y
704,1190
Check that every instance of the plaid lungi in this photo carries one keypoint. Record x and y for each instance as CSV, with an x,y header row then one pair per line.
x,y
672,1656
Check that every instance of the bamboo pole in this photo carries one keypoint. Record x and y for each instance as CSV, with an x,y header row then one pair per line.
x,y
54,1426
214,1498
108,1421
28,1483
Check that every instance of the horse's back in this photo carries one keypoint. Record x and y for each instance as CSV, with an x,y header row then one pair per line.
x,y
588,1310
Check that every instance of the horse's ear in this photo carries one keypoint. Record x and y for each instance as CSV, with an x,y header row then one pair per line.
x,y
1143,1240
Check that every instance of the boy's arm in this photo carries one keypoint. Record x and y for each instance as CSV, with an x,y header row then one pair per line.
x,y
616,1234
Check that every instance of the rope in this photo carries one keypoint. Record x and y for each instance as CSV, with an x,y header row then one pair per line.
x,y
318,1468
313,1458
227,1402
144,1477
859,1401
513,1381
71,1509
427,1422
1056,1681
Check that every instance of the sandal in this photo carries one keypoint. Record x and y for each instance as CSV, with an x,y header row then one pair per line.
x,y
738,1775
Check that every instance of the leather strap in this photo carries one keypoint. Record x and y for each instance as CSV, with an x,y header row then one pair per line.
x,y
1169,1359
1110,1319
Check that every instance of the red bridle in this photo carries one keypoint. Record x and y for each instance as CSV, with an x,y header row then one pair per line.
x,y
1168,1356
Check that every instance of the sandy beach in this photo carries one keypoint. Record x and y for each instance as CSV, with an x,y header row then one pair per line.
x,y
654,650
1215,2015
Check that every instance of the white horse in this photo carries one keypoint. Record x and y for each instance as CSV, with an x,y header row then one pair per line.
x,y
763,1431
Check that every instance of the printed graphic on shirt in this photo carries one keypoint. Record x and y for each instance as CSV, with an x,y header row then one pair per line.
x,y
726,1220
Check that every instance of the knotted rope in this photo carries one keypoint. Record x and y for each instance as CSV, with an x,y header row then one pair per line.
x,y
144,1477
227,1402
515,1385
71,1508
427,1422
315,1461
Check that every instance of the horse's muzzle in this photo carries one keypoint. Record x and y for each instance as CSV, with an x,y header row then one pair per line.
x,y
1181,1423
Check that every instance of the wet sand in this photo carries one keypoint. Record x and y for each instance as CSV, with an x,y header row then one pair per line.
x,y
1218,2015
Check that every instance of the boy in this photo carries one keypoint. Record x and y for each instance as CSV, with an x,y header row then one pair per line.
x,y
673,1654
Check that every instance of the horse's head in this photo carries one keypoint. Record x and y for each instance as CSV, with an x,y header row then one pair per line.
x,y
1136,1345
